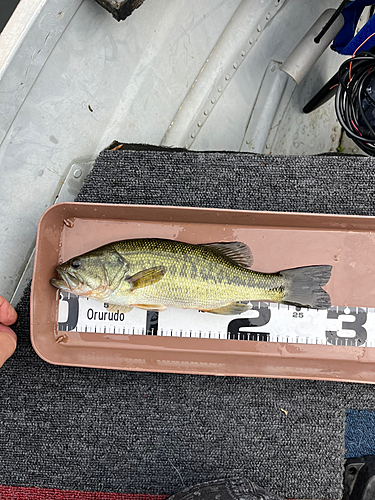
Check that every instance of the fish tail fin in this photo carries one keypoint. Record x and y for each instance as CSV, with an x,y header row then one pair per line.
x,y
302,286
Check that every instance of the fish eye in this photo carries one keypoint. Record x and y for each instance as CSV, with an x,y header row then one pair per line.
x,y
76,263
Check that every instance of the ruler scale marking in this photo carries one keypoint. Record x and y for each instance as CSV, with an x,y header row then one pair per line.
x,y
267,322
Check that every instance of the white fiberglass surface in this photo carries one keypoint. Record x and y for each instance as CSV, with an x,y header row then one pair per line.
x,y
77,79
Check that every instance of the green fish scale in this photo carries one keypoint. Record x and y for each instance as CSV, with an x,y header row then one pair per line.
x,y
196,277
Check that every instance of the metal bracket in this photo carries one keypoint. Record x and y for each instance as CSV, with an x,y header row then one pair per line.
x,y
359,478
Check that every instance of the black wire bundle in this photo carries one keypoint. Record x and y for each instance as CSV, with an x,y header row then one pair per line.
x,y
333,18
354,102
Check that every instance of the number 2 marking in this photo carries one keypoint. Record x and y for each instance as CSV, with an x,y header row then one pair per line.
x,y
234,327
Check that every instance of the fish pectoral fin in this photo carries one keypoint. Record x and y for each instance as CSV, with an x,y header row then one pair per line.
x,y
123,309
146,277
149,307
236,251
231,309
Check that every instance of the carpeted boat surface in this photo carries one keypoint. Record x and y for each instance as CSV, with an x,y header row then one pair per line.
x,y
359,433
126,432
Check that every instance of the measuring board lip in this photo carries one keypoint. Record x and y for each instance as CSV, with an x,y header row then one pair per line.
x,y
183,355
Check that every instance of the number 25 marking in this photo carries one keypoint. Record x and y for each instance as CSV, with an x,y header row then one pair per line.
x,y
298,315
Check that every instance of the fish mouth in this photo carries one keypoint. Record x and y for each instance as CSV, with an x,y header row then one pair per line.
x,y
66,282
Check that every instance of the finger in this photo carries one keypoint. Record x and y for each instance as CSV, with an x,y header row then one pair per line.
x,y
8,343
8,315
8,330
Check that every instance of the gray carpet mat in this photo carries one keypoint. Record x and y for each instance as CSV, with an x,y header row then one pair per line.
x,y
101,430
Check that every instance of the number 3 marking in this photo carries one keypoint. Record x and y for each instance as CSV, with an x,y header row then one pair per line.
x,y
356,325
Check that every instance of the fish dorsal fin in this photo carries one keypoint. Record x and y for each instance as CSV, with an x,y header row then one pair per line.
x,y
146,277
236,251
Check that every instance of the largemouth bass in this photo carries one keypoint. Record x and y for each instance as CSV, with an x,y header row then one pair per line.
x,y
155,274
